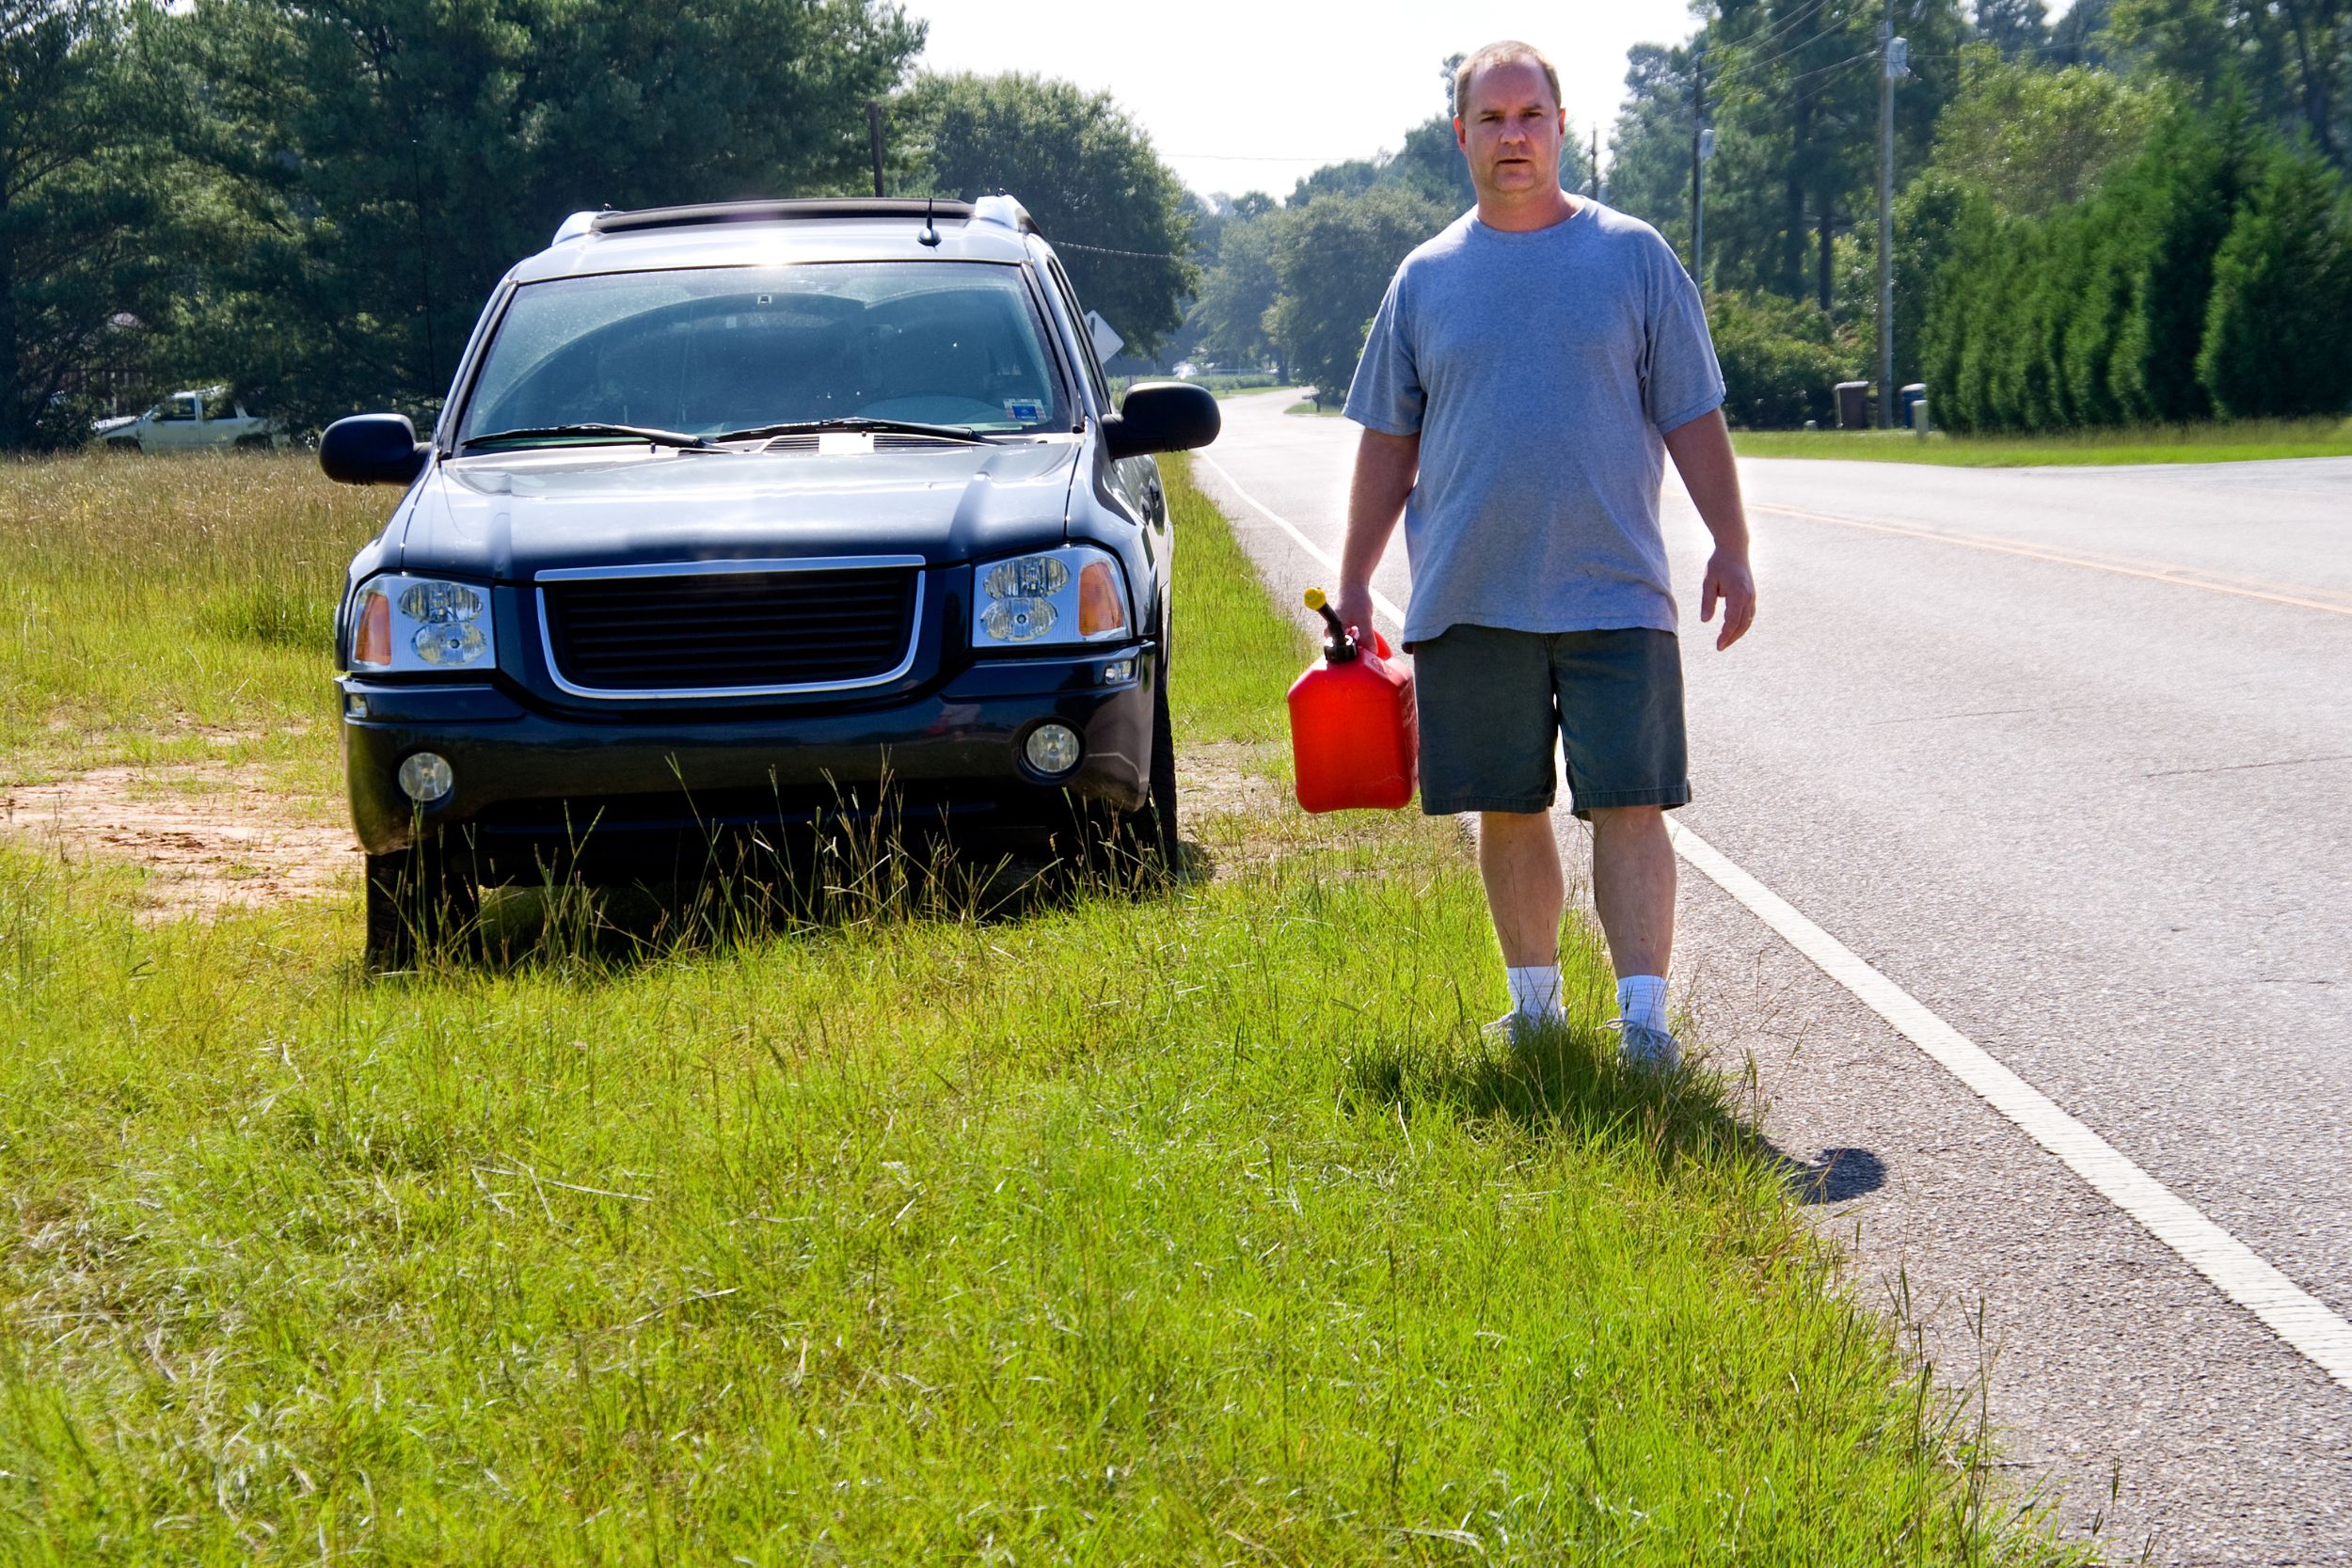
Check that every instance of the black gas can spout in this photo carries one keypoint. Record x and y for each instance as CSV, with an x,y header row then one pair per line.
x,y
1342,648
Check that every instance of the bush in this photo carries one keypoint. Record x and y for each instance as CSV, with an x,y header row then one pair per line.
x,y
2209,276
2278,339
1781,360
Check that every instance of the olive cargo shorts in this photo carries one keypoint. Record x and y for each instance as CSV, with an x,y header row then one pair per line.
x,y
1492,701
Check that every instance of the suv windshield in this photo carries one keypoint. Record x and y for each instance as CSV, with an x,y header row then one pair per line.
x,y
711,349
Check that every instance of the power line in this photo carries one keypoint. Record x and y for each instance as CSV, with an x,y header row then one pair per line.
x,y
1840,65
1817,71
1741,61
1105,250
1744,78
1779,29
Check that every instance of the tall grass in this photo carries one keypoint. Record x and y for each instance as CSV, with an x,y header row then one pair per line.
x,y
1196,1227
171,609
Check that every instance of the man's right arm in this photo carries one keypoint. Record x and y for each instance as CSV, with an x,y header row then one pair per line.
x,y
1386,467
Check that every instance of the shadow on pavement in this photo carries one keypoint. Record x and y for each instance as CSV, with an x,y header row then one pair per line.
x,y
1832,1175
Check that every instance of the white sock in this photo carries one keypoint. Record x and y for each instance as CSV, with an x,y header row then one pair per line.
x,y
1641,999
1535,990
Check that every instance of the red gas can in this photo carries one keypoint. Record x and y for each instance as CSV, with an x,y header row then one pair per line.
x,y
1353,736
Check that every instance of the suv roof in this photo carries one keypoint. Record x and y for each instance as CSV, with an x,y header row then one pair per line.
x,y
739,233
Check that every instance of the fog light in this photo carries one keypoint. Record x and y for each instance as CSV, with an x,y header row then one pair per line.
x,y
1053,749
426,777
355,705
1118,670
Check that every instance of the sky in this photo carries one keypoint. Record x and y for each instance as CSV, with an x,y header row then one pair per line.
x,y
1243,95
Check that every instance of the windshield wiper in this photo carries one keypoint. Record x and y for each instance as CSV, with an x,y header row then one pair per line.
x,y
853,422
606,432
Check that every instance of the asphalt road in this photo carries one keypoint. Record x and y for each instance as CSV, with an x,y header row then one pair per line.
x,y
2066,753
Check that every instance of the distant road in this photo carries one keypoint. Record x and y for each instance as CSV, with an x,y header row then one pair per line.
x,y
2065,754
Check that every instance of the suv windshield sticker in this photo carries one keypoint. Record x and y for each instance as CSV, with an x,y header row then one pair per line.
x,y
1025,413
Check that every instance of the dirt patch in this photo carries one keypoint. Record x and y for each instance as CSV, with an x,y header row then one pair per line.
x,y
210,840
1231,808
1225,779
207,840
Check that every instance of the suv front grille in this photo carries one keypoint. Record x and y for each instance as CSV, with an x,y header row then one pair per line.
x,y
754,629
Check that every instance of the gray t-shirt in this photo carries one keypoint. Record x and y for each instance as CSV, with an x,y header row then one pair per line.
x,y
1539,369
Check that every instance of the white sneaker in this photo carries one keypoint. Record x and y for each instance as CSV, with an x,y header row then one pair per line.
x,y
1648,1050
1517,1030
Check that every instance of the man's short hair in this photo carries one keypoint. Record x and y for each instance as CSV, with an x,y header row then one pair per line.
x,y
1506,52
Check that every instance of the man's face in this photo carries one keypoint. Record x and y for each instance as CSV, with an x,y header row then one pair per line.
x,y
1510,129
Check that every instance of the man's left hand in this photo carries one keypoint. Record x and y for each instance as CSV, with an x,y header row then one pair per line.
x,y
1729,579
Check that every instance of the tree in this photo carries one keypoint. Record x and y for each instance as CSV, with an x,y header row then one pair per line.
x,y
2277,338
2179,200
1649,150
2036,139
1432,164
1332,263
2014,26
1085,172
2208,273
390,159
2291,58
1237,293
83,218
1792,94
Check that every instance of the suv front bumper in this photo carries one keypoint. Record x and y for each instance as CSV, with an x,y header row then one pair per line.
x,y
537,786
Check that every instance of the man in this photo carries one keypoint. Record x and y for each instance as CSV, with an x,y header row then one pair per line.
x,y
1526,371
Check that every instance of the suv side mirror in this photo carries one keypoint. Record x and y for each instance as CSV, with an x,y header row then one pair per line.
x,y
371,449
1162,416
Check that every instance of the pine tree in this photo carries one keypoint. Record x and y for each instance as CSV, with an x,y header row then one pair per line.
x,y
2187,188
2278,336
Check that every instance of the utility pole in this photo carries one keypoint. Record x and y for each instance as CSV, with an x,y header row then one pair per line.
x,y
1702,143
1595,160
1893,64
873,140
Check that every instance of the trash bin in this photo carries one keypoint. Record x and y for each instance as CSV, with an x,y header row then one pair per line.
x,y
1853,406
1912,396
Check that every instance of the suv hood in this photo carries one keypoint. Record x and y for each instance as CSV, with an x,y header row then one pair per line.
x,y
511,516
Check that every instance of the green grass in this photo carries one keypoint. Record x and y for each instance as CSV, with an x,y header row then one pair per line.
x,y
1194,1228
1306,406
179,611
2236,441
1218,385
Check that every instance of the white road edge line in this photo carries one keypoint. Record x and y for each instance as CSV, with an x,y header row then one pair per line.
x,y
2292,1313
1380,601
2238,1271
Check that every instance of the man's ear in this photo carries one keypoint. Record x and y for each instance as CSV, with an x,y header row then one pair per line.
x,y
1463,142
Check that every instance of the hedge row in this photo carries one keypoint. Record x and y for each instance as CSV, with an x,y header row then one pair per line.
x,y
2213,276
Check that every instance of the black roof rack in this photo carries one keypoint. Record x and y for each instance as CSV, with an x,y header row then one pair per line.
x,y
771,211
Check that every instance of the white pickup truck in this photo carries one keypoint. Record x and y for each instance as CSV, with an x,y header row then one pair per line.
x,y
205,418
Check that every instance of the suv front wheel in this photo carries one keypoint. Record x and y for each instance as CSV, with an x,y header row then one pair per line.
x,y
1143,839
419,898
1155,826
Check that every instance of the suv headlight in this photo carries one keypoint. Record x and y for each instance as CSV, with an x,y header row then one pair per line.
x,y
401,623
1076,593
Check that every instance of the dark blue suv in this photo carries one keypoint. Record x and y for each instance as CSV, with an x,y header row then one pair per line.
x,y
744,516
